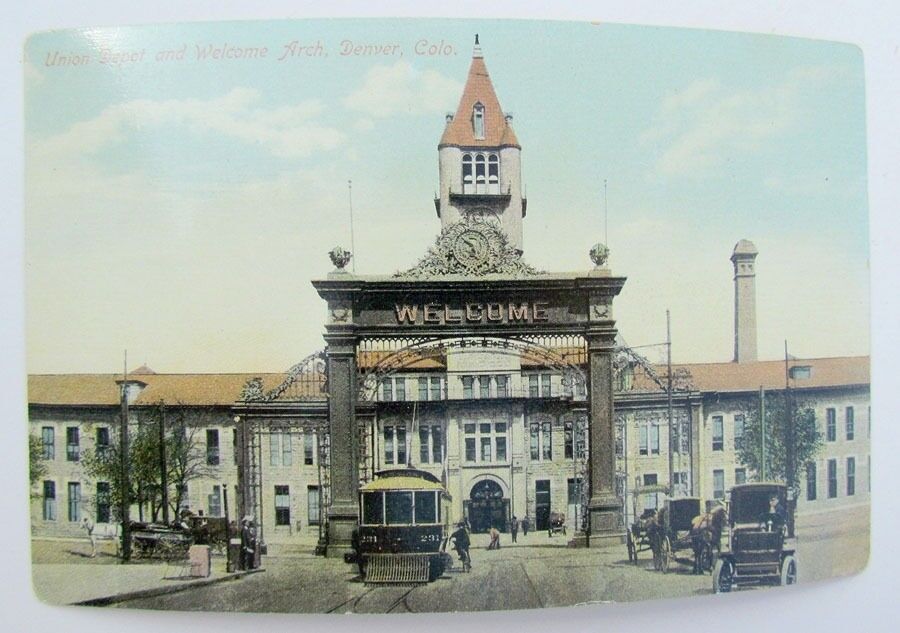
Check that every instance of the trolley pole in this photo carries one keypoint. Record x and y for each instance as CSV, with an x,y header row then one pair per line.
x,y
672,435
762,433
789,443
123,455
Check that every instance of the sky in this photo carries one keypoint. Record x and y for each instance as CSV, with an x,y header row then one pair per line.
x,y
179,208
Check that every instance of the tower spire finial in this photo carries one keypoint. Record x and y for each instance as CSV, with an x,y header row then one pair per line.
x,y
476,52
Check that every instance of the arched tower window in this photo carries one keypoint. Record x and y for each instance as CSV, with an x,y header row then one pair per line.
x,y
468,177
478,121
480,174
493,173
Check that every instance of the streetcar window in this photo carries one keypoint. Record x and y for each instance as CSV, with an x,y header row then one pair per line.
x,y
426,508
398,507
373,508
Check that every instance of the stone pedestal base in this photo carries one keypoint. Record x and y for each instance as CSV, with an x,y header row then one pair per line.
x,y
341,523
605,513
607,539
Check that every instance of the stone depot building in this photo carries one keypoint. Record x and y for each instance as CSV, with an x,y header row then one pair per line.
x,y
503,422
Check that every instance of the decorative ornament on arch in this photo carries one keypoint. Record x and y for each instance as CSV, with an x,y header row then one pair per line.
x,y
474,246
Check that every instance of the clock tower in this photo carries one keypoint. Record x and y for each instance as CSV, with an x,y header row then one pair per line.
x,y
480,160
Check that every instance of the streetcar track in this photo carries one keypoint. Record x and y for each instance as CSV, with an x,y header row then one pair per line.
x,y
355,600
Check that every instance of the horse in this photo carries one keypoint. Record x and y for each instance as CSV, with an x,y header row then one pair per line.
x,y
651,525
706,534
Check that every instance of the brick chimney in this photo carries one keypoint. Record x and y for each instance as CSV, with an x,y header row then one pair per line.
x,y
744,260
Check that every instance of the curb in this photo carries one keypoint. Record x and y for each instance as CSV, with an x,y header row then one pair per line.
x,y
161,591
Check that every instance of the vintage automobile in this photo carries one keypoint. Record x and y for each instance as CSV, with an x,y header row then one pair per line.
x,y
404,519
758,551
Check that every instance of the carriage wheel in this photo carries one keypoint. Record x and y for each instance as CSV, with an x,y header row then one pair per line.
x,y
723,576
665,554
629,543
789,570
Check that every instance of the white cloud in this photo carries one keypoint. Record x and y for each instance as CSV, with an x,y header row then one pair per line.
x,y
286,131
401,88
704,124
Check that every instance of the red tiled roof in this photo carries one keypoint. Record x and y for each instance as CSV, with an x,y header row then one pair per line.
x,y
825,372
479,89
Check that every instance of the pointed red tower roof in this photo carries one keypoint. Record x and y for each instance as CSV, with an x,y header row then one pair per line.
x,y
479,89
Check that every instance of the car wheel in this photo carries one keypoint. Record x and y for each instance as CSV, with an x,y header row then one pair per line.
x,y
789,570
723,576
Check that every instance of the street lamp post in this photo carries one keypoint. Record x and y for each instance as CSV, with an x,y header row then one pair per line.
x,y
789,448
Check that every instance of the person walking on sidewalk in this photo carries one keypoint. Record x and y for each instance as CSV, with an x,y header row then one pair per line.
x,y
513,528
526,523
495,538
88,527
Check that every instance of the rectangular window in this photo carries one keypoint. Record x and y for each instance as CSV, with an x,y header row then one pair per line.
x,y
387,391
654,439
832,478
48,443
234,448
401,444
533,386
470,449
214,502
400,389
467,382
274,449
309,447
74,501
502,386
388,445
738,431
535,440
546,446
73,448
282,505
574,491
430,444
811,481
486,449
423,389
643,440
102,440
740,476
718,433
851,476
568,442
312,505
425,507
287,449
545,385
500,448
212,447
718,484
103,502
435,388
830,425
850,423
398,507
484,387
49,501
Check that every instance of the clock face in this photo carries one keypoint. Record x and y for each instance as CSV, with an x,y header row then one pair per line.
x,y
471,248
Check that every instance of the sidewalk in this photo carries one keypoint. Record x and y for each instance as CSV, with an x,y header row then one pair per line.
x,y
65,576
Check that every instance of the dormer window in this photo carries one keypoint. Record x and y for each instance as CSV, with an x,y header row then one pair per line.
x,y
478,121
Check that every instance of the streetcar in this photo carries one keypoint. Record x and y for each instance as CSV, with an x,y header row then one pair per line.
x,y
404,524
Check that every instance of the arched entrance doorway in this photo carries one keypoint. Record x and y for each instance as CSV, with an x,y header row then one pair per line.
x,y
486,507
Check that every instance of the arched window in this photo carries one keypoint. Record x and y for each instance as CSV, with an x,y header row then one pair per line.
x,y
493,173
478,120
468,178
480,174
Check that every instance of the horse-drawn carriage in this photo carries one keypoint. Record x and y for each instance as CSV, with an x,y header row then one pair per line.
x,y
556,523
643,531
757,551
152,541
676,522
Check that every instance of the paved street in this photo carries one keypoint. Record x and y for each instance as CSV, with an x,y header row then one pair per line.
x,y
538,572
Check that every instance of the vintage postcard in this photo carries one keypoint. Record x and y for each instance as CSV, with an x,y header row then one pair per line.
x,y
443,315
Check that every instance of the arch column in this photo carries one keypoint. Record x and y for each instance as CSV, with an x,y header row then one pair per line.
x,y
604,507
342,394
